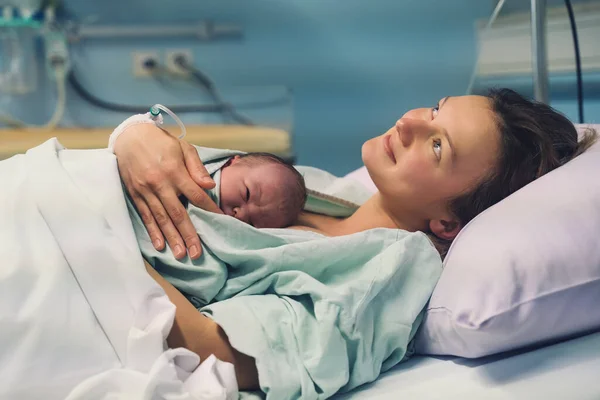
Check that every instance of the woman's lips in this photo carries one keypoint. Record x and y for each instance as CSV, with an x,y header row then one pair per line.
x,y
387,145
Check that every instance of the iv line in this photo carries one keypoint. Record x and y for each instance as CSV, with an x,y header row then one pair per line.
x,y
155,112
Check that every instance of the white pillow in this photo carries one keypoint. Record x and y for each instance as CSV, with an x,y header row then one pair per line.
x,y
362,175
526,271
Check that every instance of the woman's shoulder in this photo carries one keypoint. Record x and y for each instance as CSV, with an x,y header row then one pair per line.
x,y
318,223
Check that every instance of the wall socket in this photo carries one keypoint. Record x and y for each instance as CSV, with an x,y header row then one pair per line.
x,y
140,60
172,67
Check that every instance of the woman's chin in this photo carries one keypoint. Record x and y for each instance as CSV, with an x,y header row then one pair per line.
x,y
370,163
367,151
362,152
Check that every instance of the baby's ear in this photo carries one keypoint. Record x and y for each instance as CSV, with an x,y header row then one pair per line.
x,y
233,160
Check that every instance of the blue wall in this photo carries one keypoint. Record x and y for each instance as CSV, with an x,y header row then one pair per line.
x,y
354,66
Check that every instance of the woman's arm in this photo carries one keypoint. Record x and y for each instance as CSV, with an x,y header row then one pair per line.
x,y
156,168
203,336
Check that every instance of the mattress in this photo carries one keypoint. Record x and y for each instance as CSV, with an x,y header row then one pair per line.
x,y
567,370
235,137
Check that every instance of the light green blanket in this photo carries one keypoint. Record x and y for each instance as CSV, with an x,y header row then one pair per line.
x,y
319,314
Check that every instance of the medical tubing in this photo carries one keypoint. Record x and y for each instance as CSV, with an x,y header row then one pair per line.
x,y
492,19
210,86
90,98
155,112
577,60
60,73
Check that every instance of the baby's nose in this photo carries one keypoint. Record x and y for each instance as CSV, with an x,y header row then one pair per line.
x,y
240,213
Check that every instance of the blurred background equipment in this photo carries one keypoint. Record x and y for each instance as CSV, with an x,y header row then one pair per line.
x,y
238,73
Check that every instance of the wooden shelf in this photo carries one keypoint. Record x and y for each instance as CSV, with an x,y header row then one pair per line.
x,y
235,137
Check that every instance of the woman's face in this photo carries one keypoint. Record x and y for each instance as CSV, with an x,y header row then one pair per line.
x,y
432,155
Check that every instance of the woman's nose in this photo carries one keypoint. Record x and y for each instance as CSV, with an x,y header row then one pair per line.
x,y
410,128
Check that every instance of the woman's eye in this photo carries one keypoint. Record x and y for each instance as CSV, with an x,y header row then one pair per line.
x,y
437,148
247,194
434,110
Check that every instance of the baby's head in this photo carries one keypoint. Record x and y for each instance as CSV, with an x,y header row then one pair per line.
x,y
262,190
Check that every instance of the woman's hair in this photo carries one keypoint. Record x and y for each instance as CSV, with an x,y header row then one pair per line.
x,y
534,140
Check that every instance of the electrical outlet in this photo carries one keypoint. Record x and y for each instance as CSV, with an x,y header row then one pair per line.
x,y
170,61
141,63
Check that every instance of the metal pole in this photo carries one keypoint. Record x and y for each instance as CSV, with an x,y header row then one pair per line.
x,y
538,47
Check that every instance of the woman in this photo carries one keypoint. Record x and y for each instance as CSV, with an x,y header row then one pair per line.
x,y
435,170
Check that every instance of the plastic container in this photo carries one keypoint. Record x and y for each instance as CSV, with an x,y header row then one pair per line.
x,y
18,64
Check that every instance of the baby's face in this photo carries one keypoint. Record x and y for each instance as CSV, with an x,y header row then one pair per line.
x,y
252,193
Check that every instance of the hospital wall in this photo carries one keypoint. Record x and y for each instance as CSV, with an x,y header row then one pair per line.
x,y
353,67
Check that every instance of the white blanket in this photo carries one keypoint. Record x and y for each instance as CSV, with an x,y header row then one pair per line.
x,y
79,316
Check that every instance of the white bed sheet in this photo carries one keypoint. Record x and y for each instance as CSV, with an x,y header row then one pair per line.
x,y
566,370
80,318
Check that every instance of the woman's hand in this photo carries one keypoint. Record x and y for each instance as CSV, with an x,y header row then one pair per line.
x,y
156,168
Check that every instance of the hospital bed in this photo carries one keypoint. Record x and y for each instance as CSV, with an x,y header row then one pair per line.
x,y
566,370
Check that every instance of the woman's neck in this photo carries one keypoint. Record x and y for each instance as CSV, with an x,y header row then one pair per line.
x,y
374,213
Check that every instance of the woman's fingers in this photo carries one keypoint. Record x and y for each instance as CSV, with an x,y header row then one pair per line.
x,y
151,226
195,195
162,213
166,216
180,220
195,167
189,188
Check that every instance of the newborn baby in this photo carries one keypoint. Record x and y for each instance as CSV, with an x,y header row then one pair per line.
x,y
262,190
